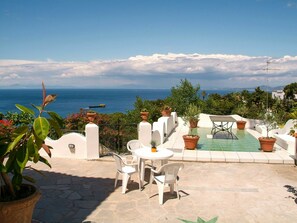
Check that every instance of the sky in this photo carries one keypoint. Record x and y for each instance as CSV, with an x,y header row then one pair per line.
x,y
147,44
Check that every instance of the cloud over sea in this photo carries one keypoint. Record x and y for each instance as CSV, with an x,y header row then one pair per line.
x,y
153,71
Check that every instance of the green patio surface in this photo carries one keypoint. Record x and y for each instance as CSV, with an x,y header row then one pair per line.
x,y
245,142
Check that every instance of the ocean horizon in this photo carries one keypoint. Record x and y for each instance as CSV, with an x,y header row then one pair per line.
x,y
71,101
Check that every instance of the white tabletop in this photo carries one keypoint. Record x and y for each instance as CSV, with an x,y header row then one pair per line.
x,y
146,153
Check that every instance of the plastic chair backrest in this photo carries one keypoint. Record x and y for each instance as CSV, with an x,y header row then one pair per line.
x,y
133,145
170,171
289,125
119,162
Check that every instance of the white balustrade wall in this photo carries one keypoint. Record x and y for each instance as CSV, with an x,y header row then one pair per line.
x,y
75,145
145,133
159,131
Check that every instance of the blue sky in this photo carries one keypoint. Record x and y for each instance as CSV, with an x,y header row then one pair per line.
x,y
130,44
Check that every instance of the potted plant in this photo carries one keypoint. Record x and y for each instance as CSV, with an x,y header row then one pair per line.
x,y
166,111
144,113
241,110
22,145
267,142
91,115
191,116
153,144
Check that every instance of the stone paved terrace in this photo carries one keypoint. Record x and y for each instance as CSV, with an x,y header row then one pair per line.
x,y
82,191
238,187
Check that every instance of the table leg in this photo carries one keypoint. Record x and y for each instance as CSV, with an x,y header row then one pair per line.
x,y
141,171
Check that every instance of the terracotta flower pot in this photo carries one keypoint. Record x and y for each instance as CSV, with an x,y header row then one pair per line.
x,y
91,116
193,123
144,116
240,124
166,112
267,144
190,141
19,211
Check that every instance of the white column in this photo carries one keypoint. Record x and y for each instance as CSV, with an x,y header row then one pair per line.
x,y
145,133
92,137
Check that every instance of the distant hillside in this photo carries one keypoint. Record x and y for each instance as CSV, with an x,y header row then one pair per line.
x,y
251,89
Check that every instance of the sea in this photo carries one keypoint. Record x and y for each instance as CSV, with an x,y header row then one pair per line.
x,y
71,101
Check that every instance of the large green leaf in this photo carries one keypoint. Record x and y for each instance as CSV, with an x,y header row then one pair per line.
x,y
15,142
25,109
56,127
16,167
56,117
186,221
200,220
41,127
30,147
37,107
36,157
22,157
214,220
42,159
10,162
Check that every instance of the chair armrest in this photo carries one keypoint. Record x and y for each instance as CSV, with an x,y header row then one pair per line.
x,y
129,160
153,168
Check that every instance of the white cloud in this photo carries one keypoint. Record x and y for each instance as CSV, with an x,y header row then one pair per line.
x,y
167,68
292,4
11,76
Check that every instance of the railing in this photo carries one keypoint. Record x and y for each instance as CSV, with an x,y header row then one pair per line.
x,y
114,137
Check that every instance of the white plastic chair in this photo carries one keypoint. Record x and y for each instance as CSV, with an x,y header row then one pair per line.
x,y
166,175
132,145
126,170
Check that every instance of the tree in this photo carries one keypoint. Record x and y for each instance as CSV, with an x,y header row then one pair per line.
x,y
290,91
182,95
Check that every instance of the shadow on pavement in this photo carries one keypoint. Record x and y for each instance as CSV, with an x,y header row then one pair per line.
x,y
67,198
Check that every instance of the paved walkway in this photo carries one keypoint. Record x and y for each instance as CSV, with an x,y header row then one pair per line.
x,y
82,191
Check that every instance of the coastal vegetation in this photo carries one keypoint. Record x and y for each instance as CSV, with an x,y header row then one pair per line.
x,y
118,128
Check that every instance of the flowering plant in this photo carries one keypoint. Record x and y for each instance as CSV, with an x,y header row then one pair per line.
x,y
22,145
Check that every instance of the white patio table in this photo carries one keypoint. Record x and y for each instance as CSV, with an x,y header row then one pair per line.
x,y
145,153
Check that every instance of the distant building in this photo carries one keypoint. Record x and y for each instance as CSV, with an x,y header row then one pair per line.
x,y
280,94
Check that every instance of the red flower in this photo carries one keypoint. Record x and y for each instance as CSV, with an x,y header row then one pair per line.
x,y
6,123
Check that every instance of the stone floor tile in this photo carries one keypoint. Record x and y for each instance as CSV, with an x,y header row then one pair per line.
x,y
217,156
259,157
231,156
245,157
274,158
190,155
203,156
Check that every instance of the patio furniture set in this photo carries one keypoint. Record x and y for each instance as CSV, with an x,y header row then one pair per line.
x,y
165,175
